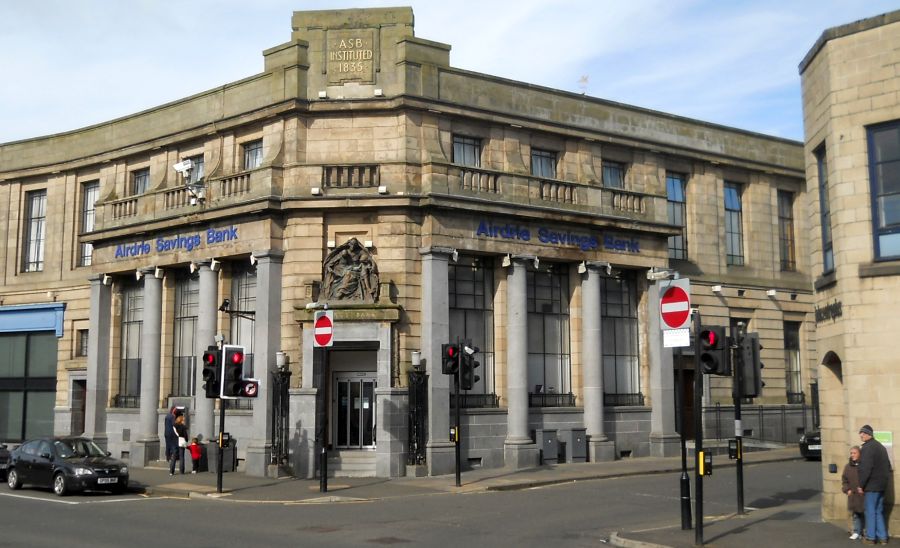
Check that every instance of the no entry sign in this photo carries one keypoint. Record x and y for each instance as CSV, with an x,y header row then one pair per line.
x,y
323,329
675,304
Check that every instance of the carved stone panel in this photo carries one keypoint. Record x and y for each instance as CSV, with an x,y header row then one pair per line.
x,y
350,274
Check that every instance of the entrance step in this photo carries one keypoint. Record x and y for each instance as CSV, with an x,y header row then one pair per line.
x,y
351,464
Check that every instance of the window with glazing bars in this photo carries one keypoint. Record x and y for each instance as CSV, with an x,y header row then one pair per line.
x,y
89,194
140,181
130,357
824,211
792,362
734,232
243,297
619,322
543,163
466,151
884,181
253,154
786,230
613,174
471,293
35,230
184,361
676,210
549,345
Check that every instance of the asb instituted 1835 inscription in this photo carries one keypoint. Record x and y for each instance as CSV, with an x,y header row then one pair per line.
x,y
351,56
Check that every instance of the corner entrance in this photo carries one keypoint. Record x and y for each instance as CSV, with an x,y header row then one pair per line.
x,y
354,410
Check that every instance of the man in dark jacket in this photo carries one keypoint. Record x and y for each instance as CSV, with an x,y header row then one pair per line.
x,y
874,475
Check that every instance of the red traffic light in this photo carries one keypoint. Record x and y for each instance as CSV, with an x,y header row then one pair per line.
x,y
709,339
237,357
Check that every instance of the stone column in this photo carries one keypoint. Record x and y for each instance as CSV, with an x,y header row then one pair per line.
x,y
146,448
435,324
518,449
207,313
664,440
266,342
600,448
97,397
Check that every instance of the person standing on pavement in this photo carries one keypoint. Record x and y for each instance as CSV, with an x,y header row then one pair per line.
x,y
181,443
171,437
856,502
874,474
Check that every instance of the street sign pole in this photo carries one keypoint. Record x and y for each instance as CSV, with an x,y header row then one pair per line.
x,y
457,406
737,393
685,482
323,338
698,434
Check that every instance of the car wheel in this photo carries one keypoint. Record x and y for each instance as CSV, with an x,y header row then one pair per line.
x,y
60,487
12,479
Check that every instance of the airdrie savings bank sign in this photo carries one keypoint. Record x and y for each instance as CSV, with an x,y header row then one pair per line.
x,y
186,242
556,236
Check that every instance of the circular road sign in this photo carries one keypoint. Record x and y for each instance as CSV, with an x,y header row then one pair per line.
x,y
323,330
675,308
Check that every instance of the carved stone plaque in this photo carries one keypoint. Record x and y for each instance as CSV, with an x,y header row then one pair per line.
x,y
350,56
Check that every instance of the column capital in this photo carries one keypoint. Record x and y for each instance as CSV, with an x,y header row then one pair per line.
x,y
437,250
594,266
274,255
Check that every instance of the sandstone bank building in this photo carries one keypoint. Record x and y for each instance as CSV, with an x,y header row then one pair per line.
x,y
852,154
421,203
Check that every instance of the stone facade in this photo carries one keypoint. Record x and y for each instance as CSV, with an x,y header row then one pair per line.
x,y
850,85
350,132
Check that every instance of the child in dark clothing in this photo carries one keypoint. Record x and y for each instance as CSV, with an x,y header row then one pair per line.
x,y
196,453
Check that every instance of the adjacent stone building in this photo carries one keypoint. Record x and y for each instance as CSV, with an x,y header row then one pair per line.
x,y
419,203
851,113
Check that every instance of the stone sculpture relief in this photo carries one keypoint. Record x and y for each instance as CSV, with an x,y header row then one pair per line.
x,y
350,274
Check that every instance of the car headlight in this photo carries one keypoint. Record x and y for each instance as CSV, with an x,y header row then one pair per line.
x,y
81,471
123,470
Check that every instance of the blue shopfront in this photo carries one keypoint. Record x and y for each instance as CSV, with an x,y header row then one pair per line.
x,y
28,346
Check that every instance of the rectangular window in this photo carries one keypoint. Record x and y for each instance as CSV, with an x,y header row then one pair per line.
x,y
543,163
89,194
792,362
196,169
81,343
786,230
613,174
466,151
471,292
243,298
734,232
187,291
130,358
884,178
140,181
824,211
676,210
619,322
253,154
27,384
549,354
35,230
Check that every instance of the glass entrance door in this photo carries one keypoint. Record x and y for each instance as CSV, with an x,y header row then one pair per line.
x,y
355,410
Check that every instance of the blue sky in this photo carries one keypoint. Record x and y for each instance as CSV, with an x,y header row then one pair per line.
x,y
66,64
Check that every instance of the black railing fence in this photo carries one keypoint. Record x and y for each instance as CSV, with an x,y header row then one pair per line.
x,y
765,423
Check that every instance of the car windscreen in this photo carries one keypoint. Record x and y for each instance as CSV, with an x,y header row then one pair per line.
x,y
77,448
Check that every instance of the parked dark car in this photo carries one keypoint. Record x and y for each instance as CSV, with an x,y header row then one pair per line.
x,y
4,461
811,445
65,464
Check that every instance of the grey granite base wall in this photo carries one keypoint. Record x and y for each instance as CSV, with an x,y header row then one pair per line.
x,y
629,427
392,416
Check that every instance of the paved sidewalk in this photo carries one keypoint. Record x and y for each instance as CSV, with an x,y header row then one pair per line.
x,y
156,481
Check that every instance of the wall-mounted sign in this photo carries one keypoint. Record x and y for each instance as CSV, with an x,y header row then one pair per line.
x,y
829,312
187,242
584,241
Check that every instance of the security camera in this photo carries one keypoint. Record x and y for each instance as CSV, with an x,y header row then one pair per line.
x,y
183,167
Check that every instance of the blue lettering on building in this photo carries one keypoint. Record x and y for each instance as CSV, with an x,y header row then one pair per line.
x,y
507,231
187,242
132,250
583,242
630,245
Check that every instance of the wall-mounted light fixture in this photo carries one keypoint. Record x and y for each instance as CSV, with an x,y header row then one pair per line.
x,y
138,275
315,191
416,358
193,267
281,359
107,280
772,293
158,273
717,289
382,189
330,244
368,244
378,92
253,260
323,94
214,265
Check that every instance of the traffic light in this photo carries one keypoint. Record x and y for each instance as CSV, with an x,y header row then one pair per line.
x,y
467,376
750,381
449,359
232,370
211,372
714,351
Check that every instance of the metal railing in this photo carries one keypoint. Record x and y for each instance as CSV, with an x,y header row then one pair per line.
x,y
764,423
622,400
551,400
121,401
476,401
